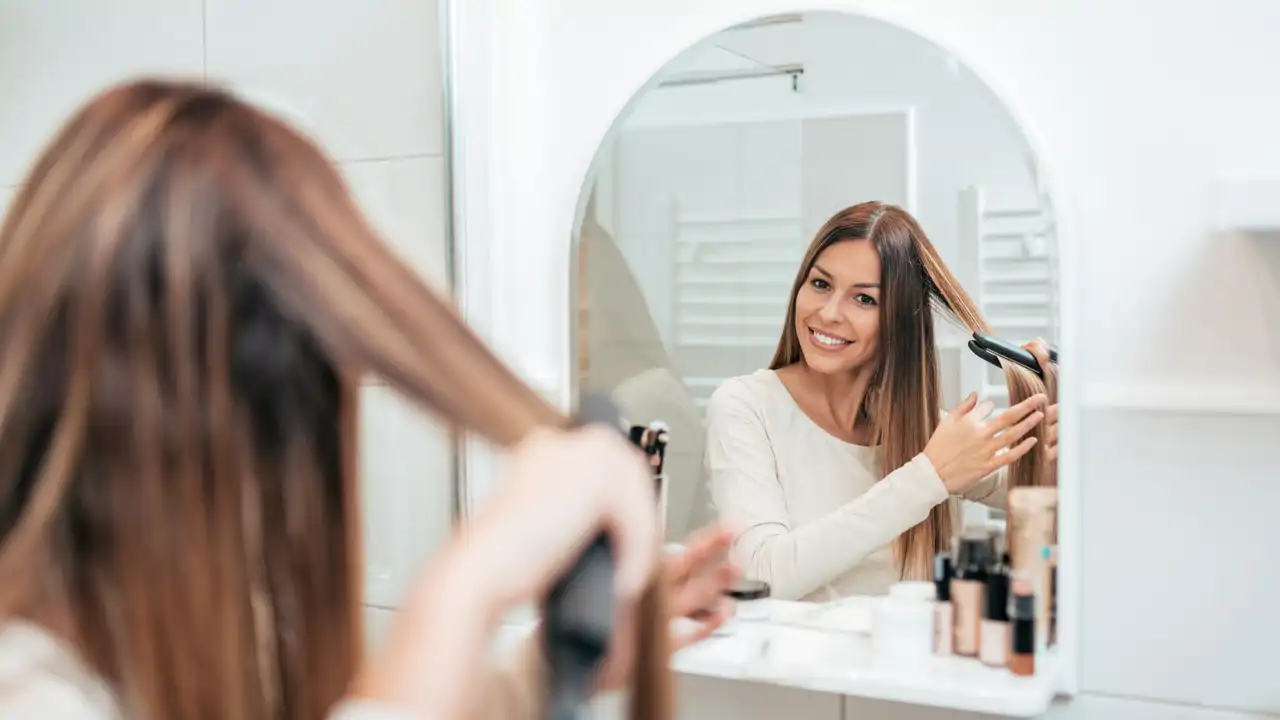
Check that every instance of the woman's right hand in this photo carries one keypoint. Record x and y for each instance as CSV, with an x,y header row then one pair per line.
x,y
559,490
967,448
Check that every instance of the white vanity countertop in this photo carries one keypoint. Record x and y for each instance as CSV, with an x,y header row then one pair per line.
x,y
797,647
788,651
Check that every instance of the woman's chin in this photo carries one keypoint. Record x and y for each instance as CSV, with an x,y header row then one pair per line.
x,y
824,364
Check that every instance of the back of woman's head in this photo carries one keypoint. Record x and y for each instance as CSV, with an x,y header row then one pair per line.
x,y
188,298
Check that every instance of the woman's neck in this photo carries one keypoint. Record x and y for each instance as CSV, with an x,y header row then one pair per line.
x,y
836,399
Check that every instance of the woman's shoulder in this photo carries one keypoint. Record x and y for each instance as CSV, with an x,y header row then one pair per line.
x,y
755,395
40,677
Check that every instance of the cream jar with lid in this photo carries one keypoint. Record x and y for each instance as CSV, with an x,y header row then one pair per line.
x,y
902,625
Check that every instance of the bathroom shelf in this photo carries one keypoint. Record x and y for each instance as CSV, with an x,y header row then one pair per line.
x,y
957,683
1248,400
840,663
1247,204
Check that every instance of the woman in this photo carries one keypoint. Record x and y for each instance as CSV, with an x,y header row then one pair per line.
x,y
189,299
835,462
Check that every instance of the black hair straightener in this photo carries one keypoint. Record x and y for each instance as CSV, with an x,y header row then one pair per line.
x,y
992,348
579,610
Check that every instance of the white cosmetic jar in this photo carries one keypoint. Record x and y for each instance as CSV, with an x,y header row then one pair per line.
x,y
902,625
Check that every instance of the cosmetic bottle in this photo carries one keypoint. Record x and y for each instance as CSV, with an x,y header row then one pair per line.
x,y
994,641
944,613
1022,651
1053,596
749,611
747,594
967,589
1032,521
902,625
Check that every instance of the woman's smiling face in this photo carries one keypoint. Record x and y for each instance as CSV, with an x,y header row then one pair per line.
x,y
838,308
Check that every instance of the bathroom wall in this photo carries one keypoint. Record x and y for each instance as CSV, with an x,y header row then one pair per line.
x,y
1137,104
962,134
1138,107
364,80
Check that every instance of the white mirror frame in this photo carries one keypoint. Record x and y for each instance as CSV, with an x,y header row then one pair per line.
x,y
515,205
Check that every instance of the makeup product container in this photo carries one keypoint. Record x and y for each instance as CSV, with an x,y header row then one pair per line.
x,y
749,612
747,594
902,629
1033,515
994,641
944,613
1022,651
968,587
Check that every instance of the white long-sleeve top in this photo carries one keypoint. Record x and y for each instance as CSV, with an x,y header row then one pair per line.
x,y
815,515
41,677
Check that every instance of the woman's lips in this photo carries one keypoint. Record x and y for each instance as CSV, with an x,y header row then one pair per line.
x,y
826,341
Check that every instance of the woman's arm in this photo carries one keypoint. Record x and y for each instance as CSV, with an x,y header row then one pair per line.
x,y
512,688
992,491
450,613
795,562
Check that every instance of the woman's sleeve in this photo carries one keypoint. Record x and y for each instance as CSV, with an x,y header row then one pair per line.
x,y
742,470
514,689
992,491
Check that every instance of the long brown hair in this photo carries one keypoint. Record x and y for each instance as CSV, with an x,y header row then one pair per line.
x,y
189,298
1033,469
904,396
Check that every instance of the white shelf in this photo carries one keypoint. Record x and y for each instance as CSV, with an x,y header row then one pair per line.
x,y
1033,276
716,219
963,684
778,279
842,663
1016,299
1247,204
1013,214
1018,323
686,341
1227,400
740,322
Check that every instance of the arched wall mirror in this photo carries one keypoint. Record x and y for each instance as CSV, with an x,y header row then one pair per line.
x,y
693,224
689,243
712,184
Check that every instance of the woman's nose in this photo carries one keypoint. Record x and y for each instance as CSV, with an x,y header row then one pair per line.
x,y
830,309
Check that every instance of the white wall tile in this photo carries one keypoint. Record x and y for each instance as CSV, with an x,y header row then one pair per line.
x,y
362,77
405,466
1180,589
55,55
405,200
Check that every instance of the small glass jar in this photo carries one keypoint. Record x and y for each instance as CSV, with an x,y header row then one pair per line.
x,y
751,605
747,594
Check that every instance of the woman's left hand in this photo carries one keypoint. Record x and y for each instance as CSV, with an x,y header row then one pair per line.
x,y
1040,350
697,579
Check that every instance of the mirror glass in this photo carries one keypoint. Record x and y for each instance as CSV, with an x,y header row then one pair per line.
x,y
696,218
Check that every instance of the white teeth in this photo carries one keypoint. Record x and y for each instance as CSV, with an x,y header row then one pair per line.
x,y
828,340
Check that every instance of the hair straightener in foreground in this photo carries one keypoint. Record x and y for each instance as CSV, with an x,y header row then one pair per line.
x,y
579,610
992,348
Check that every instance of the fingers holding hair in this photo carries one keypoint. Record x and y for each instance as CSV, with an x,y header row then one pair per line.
x,y
965,406
1008,457
1019,412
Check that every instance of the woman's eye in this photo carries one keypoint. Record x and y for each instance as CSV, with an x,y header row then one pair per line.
x,y
819,284
865,299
